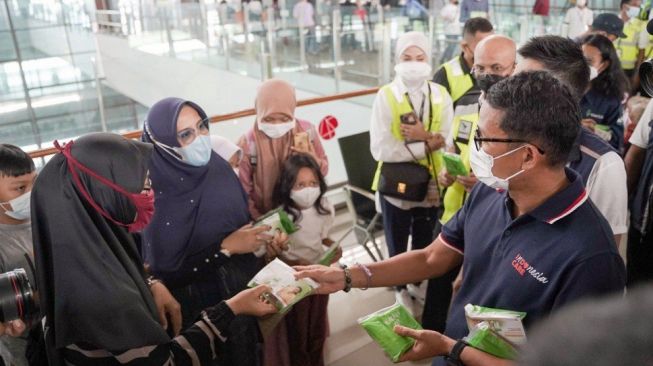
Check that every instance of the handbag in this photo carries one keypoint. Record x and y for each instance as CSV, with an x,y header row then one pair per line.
x,y
408,181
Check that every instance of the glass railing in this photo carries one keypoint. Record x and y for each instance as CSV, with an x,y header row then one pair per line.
x,y
350,46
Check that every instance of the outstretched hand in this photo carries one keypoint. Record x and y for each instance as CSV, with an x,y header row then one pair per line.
x,y
331,279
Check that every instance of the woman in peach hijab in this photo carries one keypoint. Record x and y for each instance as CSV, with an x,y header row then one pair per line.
x,y
275,136
272,139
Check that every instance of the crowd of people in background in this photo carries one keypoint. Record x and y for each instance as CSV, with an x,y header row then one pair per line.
x,y
143,249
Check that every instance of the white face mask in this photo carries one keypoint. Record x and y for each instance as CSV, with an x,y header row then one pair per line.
x,y
305,197
20,207
482,164
594,72
198,153
581,3
632,11
413,73
276,130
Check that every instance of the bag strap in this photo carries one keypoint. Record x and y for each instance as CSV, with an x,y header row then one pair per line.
x,y
428,156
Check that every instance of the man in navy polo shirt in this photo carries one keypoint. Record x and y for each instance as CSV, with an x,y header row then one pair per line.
x,y
529,237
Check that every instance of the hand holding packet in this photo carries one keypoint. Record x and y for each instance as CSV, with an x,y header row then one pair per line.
x,y
278,220
286,290
380,326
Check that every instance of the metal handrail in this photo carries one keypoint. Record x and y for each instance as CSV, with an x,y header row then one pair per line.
x,y
230,116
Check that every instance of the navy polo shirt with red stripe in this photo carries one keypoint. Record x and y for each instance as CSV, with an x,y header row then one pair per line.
x,y
558,253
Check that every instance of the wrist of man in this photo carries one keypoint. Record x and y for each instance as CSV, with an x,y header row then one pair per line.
x,y
358,277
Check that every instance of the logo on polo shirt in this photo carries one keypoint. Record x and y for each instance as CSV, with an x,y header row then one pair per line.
x,y
522,267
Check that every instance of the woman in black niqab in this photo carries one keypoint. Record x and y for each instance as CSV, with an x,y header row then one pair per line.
x,y
90,276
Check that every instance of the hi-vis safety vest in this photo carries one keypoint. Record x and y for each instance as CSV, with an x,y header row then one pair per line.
x,y
627,48
459,82
465,123
399,108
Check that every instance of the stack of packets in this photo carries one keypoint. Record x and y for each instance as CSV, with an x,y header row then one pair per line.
x,y
286,290
495,331
380,326
278,220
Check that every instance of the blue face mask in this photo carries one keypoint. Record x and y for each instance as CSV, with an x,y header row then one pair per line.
x,y
198,153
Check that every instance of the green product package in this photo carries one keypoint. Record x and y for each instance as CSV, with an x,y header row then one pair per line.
x,y
454,164
482,337
380,326
604,128
278,219
506,323
328,256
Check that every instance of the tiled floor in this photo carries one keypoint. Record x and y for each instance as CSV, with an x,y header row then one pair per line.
x,y
348,344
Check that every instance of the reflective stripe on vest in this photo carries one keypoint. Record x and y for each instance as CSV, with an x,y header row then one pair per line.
x,y
459,82
465,122
399,108
627,48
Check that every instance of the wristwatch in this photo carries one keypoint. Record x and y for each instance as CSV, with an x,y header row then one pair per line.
x,y
453,359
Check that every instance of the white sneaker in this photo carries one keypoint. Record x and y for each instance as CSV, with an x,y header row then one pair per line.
x,y
404,298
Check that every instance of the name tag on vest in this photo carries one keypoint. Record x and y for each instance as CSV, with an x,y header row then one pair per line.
x,y
464,132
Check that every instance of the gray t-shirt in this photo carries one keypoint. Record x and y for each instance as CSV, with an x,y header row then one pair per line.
x,y
15,242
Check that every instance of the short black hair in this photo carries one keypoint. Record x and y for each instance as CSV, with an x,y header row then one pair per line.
x,y
599,332
624,2
475,25
14,162
540,109
563,58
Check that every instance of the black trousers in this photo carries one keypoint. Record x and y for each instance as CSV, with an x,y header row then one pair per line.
x,y
399,224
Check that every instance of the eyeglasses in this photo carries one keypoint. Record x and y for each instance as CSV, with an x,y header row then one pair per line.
x,y
188,135
478,141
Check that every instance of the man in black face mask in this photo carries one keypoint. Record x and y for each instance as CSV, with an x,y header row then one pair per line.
x,y
494,60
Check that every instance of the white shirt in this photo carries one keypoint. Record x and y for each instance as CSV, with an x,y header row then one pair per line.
x,y
450,14
578,20
306,244
385,147
606,186
303,12
642,131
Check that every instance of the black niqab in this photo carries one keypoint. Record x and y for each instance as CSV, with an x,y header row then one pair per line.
x,y
90,275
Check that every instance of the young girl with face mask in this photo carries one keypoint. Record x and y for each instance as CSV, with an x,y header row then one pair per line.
x,y
394,141
300,191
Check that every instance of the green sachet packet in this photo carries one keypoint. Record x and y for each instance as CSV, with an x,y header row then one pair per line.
x,y
454,164
328,256
506,323
482,337
380,326
277,219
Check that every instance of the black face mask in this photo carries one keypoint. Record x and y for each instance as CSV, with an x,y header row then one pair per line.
x,y
485,81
